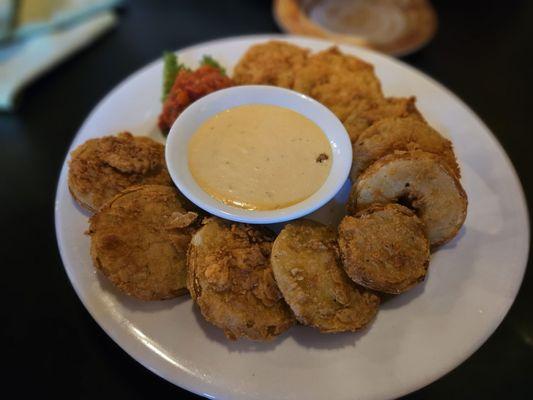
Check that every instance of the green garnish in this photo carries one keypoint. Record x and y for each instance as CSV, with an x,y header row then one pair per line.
x,y
171,68
208,60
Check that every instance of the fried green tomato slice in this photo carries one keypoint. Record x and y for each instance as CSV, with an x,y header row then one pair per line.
x,y
308,272
384,248
423,182
139,241
101,168
271,63
335,79
230,279
392,134
363,112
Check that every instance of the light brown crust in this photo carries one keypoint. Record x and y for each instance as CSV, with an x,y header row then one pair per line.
x,y
423,182
363,113
101,168
230,278
335,79
404,134
384,248
308,272
137,245
270,63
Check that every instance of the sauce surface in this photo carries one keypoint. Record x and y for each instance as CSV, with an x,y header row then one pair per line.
x,y
259,157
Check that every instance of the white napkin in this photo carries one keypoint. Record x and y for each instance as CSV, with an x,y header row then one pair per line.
x,y
23,60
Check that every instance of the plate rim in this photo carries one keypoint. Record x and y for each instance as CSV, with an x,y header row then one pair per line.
x,y
186,379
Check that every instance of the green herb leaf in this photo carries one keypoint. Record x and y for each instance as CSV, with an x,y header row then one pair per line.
x,y
171,68
208,60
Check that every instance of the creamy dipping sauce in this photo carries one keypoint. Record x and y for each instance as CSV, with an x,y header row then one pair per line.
x,y
259,157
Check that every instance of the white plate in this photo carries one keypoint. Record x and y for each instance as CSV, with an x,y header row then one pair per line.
x,y
416,338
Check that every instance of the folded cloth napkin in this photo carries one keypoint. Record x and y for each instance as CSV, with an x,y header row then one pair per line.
x,y
36,35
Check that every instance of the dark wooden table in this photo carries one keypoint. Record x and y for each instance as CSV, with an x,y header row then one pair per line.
x,y
50,344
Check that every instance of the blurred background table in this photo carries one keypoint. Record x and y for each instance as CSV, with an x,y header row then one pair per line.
x,y
50,344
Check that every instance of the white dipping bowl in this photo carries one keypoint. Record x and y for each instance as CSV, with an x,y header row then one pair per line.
x,y
176,150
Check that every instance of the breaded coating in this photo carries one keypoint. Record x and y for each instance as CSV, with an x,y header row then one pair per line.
x,y
188,87
308,272
136,243
271,63
421,181
363,113
101,168
384,248
391,134
231,280
335,79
